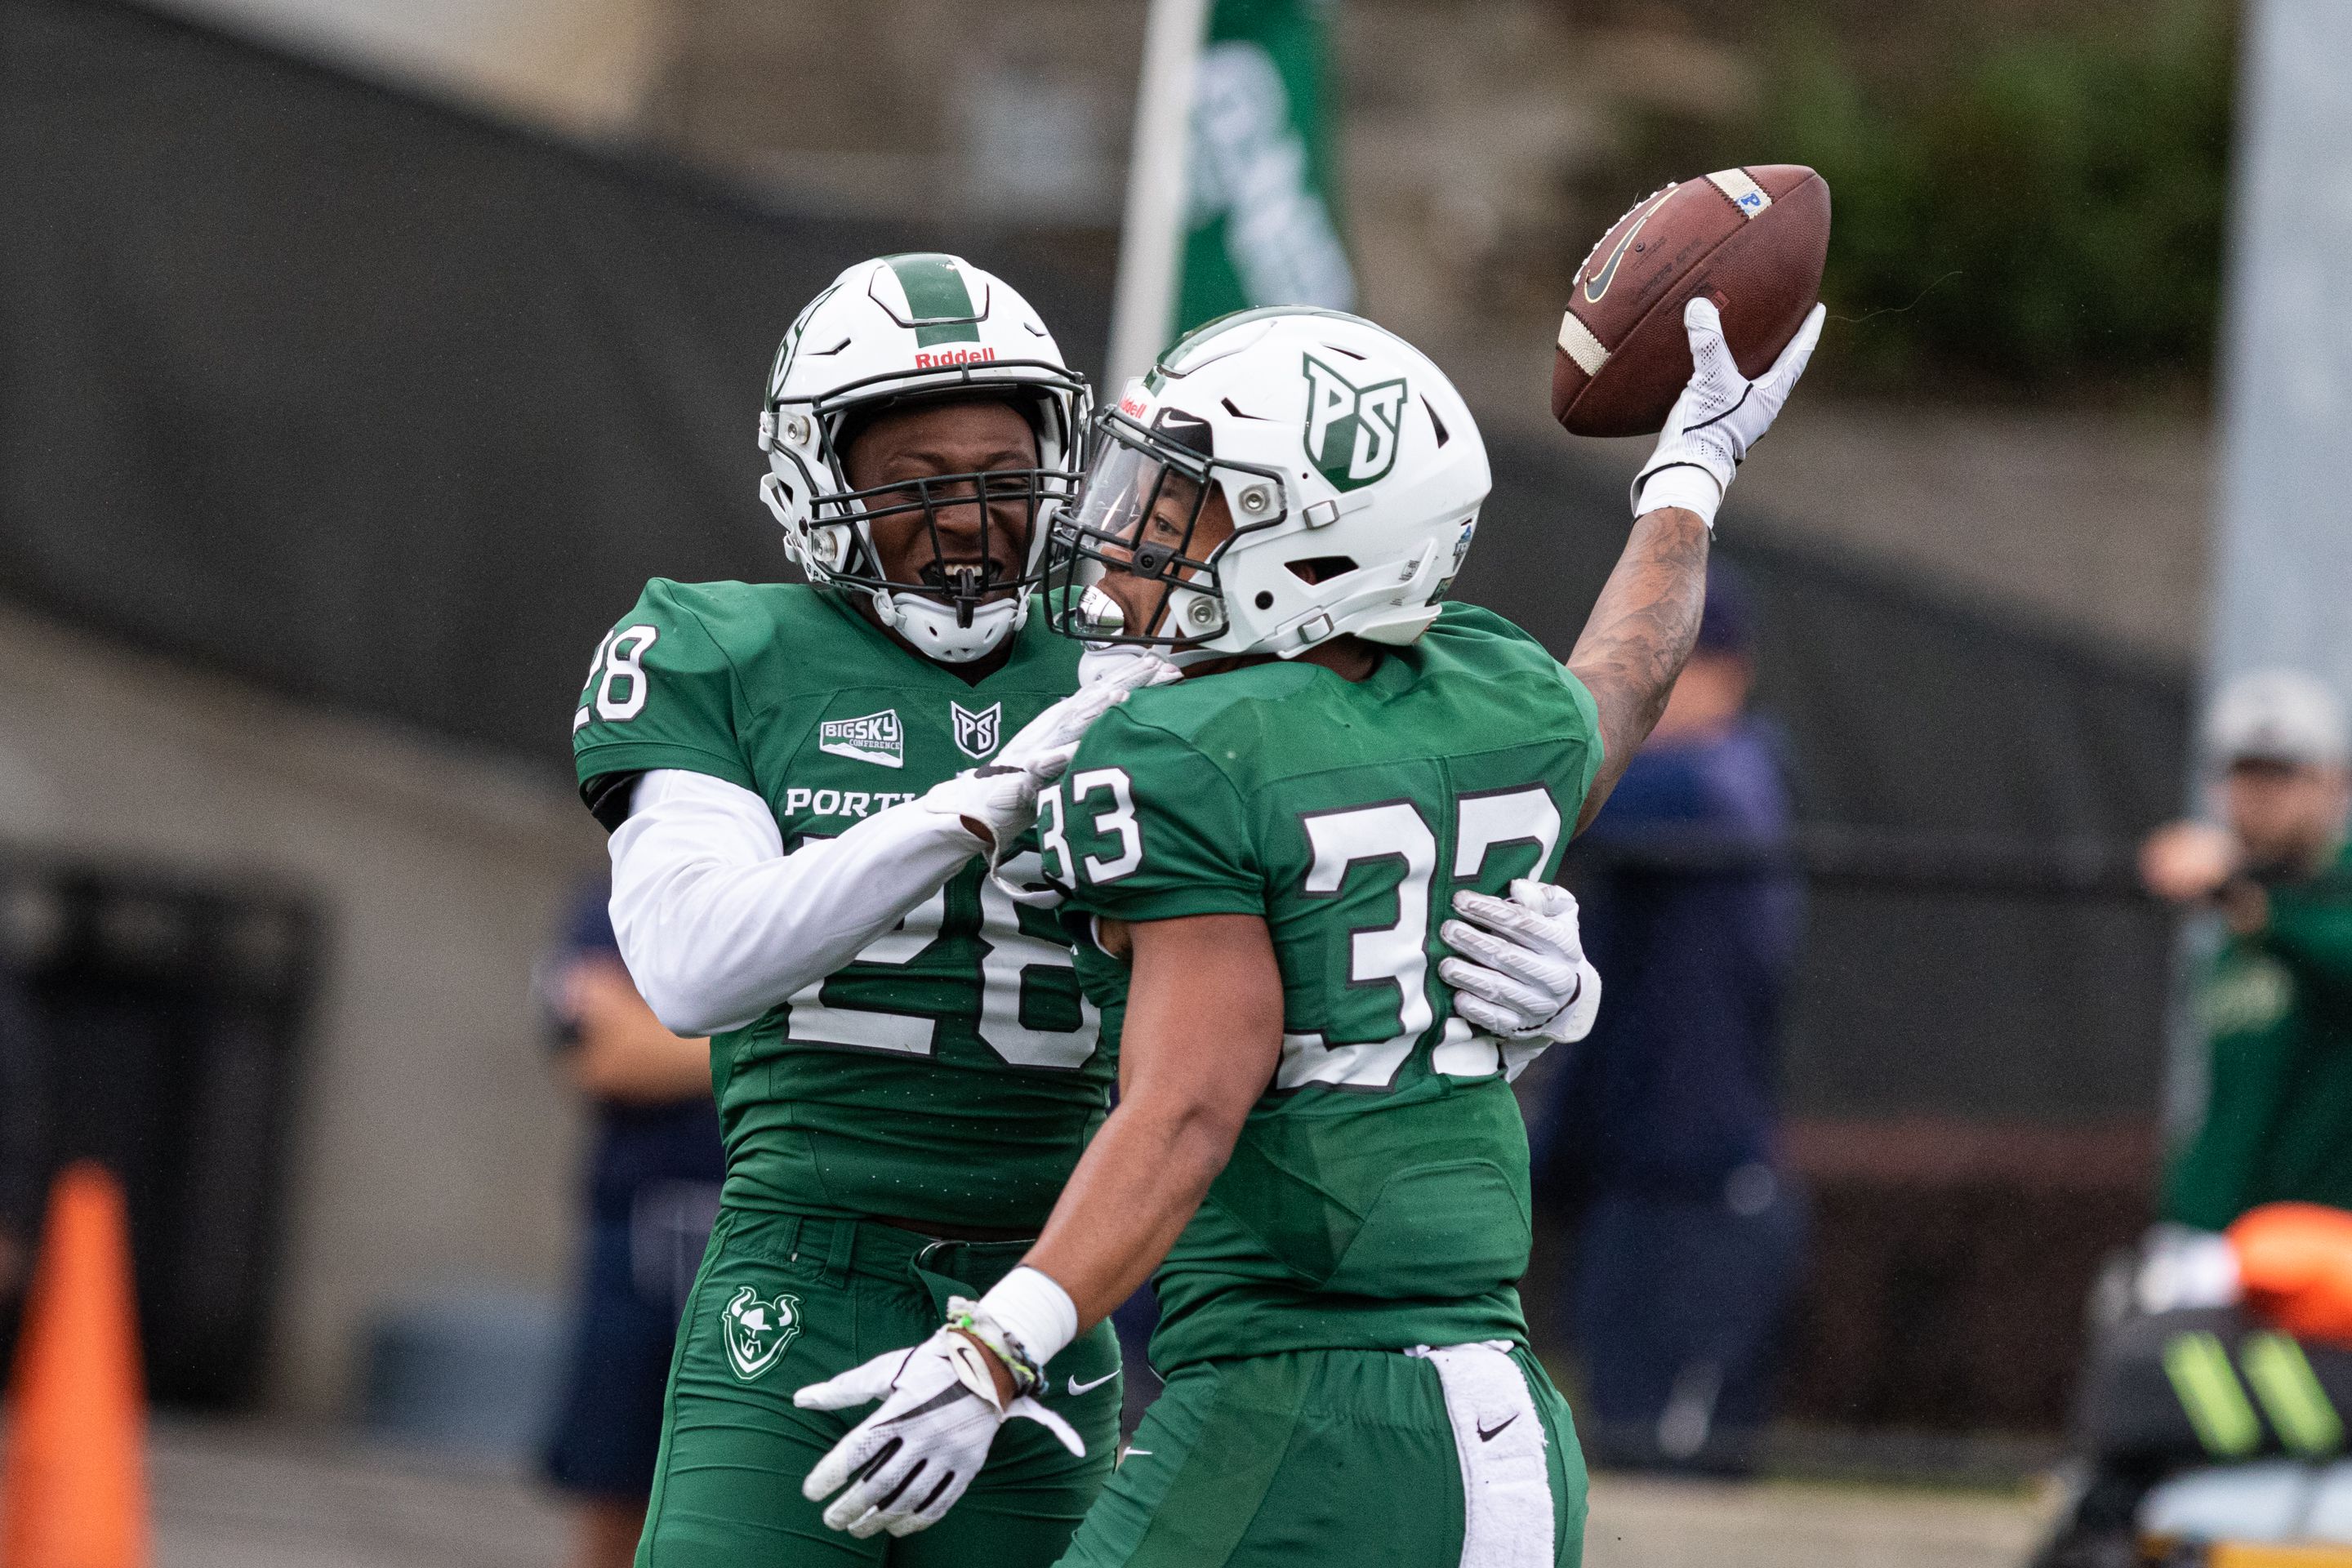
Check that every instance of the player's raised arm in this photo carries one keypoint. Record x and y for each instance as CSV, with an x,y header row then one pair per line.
x,y
1639,636
1641,628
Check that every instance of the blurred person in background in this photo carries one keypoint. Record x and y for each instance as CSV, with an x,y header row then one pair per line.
x,y
2274,1004
652,1192
1663,1131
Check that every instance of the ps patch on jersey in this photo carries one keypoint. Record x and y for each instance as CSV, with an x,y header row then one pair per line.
x,y
876,738
976,734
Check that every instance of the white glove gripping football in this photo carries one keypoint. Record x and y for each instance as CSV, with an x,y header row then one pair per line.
x,y
1719,416
902,1468
1001,795
1524,978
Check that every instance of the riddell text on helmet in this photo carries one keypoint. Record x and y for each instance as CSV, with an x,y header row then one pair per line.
x,y
947,357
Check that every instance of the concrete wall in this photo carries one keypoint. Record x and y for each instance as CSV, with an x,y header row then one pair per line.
x,y
583,65
1016,110
433,1144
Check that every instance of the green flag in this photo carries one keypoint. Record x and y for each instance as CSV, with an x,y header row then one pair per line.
x,y
1264,226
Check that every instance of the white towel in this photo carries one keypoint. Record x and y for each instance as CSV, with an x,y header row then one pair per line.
x,y
1507,1502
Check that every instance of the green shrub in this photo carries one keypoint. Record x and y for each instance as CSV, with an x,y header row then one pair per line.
x,y
2015,211
2055,211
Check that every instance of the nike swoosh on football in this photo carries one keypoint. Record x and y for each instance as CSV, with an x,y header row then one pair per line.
x,y
1598,283
1077,1388
1488,1433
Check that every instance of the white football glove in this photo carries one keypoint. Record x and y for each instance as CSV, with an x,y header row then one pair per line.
x,y
1522,976
903,1467
1106,661
1719,416
1001,795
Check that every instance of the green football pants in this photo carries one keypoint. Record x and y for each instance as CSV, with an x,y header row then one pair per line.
x,y
1344,1458
783,1301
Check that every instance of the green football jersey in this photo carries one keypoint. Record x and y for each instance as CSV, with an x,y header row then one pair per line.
x,y
2276,1006
951,1073
1378,1197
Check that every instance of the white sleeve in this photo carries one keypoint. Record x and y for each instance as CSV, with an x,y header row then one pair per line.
x,y
718,924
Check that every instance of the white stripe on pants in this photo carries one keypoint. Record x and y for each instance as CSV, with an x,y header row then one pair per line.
x,y
1507,1502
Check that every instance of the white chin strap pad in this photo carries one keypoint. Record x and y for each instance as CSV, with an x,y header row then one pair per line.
x,y
932,626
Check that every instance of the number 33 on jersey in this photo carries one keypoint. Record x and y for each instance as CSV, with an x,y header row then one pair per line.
x,y
1348,814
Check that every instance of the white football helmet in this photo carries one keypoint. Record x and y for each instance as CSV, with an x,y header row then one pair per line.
x,y
1351,470
912,329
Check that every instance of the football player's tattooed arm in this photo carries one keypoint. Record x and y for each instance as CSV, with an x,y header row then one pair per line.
x,y
1647,618
1189,1074
1639,636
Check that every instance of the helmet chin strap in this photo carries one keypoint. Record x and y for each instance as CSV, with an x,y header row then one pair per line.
x,y
937,632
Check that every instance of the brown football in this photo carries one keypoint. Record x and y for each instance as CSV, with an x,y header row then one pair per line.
x,y
1751,239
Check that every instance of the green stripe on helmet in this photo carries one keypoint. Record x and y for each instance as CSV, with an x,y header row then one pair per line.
x,y
938,299
2290,1392
2201,1373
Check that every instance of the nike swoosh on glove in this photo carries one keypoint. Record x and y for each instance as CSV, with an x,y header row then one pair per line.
x,y
1001,795
1719,416
1521,975
902,1468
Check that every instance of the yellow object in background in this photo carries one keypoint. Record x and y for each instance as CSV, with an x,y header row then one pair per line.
x,y
2226,1554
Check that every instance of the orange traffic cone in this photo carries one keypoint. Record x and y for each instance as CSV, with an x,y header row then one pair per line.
x,y
74,1494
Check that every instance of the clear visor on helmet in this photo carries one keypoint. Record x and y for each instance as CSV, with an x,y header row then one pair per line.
x,y
1135,561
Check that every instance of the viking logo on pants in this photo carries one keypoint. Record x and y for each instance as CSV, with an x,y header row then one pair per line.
x,y
758,1331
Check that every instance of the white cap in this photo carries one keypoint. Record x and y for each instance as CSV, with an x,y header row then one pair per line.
x,y
2279,716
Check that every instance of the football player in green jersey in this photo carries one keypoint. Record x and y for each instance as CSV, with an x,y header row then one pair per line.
x,y
1313,1146
807,785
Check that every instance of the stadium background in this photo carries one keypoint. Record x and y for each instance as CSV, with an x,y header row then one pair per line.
x,y
356,365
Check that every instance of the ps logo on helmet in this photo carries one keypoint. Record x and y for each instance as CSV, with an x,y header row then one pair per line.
x,y
1351,431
